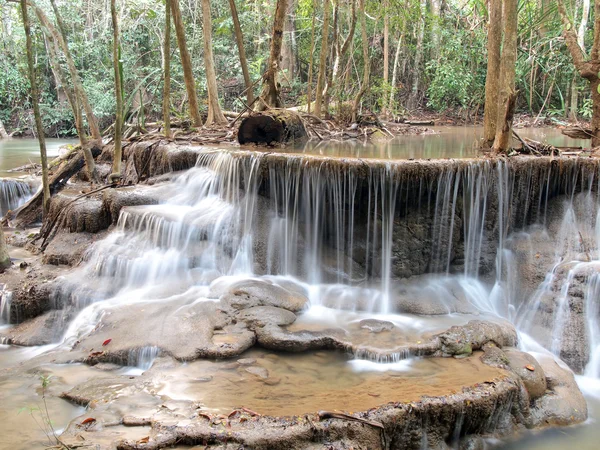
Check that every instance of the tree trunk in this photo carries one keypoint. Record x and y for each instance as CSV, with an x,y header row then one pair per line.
x,y
332,57
36,109
277,126
52,37
239,37
289,50
79,90
116,167
413,100
270,96
166,106
322,60
341,53
215,115
386,50
186,63
3,133
494,41
5,262
312,52
436,13
508,61
588,68
581,42
395,72
366,60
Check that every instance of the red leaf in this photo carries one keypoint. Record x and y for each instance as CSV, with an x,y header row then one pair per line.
x,y
88,420
106,342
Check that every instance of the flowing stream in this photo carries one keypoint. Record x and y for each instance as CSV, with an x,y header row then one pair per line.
x,y
419,247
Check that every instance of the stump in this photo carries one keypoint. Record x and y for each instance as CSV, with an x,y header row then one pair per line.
x,y
276,126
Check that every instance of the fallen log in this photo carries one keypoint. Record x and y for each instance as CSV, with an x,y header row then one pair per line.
x,y
419,123
578,132
272,127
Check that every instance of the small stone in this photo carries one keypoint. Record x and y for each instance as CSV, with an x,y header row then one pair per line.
x,y
260,372
246,361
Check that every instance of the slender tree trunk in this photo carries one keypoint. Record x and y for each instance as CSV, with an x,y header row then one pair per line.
x,y
270,95
436,13
79,90
581,41
52,37
289,49
312,51
5,262
215,115
341,53
116,167
492,81
166,106
507,77
322,60
3,133
36,109
239,37
414,94
395,71
386,50
366,60
186,63
333,57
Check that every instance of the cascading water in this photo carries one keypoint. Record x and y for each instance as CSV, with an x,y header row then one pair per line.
x,y
13,193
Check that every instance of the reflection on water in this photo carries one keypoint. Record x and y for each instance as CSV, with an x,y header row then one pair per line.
x,y
438,142
18,152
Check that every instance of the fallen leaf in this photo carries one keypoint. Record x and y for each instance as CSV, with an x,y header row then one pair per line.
x,y
374,395
530,368
106,342
144,440
88,420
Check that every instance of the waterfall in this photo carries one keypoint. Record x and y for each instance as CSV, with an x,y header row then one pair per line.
x,y
363,236
13,193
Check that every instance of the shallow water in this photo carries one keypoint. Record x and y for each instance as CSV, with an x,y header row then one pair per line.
x,y
18,152
438,142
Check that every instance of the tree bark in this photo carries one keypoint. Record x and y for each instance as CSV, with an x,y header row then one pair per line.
x,y
186,62
395,72
289,57
166,106
239,37
79,90
116,167
270,96
508,61
341,53
494,41
413,100
366,60
215,115
276,126
436,13
36,109
386,42
52,37
322,60
581,41
5,262
3,133
588,68
333,56
312,51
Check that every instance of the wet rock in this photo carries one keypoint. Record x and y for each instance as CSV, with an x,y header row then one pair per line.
x,y
246,361
259,316
251,293
76,214
463,340
276,338
69,248
260,372
41,330
529,371
114,200
376,326
564,404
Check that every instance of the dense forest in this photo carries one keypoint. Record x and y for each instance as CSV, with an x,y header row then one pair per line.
x,y
421,56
